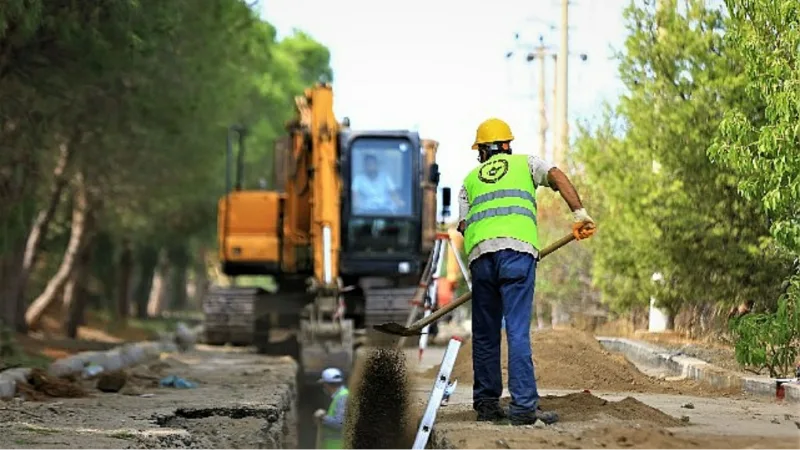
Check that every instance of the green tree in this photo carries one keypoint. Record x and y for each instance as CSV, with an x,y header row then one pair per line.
x,y
763,146
112,124
668,208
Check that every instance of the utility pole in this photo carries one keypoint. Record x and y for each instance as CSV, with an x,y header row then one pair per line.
x,y
562,135
556,104
540,53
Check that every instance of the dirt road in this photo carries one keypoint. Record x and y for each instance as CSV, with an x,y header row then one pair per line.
x,y
242,400
623,408
613,420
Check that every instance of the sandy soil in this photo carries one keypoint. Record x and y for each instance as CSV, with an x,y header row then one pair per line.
x,y
571,359
608,420
242,401
605,402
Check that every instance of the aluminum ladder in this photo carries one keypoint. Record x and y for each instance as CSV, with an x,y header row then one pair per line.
x,y
440,385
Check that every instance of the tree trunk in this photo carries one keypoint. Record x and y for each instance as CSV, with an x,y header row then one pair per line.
x,y
200,279
10,266
77,234
148,260
670,325
41,225
543,314
124,281
180,298
104,270
179,265
75,293
158,292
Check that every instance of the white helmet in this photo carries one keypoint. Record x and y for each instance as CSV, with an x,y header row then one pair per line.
x,y
331,375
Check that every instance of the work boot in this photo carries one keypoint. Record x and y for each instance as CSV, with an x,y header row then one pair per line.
x,y
490,412
530,418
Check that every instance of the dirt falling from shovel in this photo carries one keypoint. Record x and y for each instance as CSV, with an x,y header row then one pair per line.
x,y
378,415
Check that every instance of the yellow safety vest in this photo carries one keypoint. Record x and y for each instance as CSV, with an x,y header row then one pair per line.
x,y
502,200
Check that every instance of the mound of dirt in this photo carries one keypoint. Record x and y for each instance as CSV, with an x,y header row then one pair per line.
x,y
572,359
583,407
40,382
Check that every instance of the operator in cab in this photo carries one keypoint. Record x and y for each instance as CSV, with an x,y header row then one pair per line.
x,y
331,422
374,191
497,216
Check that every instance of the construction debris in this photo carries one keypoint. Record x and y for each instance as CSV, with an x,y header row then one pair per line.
x,y
112,381
52,386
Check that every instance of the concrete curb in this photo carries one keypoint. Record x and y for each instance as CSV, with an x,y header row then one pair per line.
x,y
697,369
126,355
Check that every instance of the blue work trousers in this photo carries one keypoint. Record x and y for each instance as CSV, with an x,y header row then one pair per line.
x,y
502,286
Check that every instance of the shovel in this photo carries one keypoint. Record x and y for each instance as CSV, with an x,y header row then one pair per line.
x,y
415,328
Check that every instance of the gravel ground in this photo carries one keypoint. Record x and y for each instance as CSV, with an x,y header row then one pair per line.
x,y
242,400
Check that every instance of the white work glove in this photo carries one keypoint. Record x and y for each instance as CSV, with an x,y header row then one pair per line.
x,y
583,225
319,414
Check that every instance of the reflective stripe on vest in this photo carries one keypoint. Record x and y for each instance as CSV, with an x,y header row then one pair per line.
x,y
502,202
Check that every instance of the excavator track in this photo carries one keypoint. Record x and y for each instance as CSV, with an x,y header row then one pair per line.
x,y
230,315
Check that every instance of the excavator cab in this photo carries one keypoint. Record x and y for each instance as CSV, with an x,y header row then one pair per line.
x,y
382,203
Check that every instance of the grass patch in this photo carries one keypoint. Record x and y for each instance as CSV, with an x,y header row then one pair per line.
x,y
134,328
39,430
13,353
122,434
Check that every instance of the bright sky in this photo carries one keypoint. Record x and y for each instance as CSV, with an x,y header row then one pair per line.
x,y
440,67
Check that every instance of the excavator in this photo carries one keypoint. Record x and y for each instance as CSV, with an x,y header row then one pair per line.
x,y
345,232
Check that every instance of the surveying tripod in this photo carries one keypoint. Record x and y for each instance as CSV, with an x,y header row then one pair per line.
x,y
426,294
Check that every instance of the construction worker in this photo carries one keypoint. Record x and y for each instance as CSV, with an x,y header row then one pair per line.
x,y
330,422
497,216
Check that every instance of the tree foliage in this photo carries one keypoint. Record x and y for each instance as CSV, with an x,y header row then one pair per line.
x,y
665,206
130,100
763,147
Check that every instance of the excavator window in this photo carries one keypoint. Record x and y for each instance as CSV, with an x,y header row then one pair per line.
x,y
382,177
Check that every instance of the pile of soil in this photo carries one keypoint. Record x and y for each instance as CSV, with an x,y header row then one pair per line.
x,y
40,385
572,359
583,407
378,412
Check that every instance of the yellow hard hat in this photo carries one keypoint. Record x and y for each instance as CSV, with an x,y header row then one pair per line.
x,y
492,130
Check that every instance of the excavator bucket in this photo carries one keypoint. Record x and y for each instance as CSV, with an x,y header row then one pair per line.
x,y
396,329
325,345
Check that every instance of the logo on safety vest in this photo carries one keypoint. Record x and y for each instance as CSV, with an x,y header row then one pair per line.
x,y
493,171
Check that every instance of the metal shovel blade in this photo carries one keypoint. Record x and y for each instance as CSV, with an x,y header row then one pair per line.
x,y
396,329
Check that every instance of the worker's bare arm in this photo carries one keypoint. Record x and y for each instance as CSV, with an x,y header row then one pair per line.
x,y
559,182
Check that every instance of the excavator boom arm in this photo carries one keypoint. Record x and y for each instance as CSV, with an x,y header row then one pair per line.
x,y
326,187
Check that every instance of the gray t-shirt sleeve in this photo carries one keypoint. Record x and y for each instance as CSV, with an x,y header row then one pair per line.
x,y
463,204
539,169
